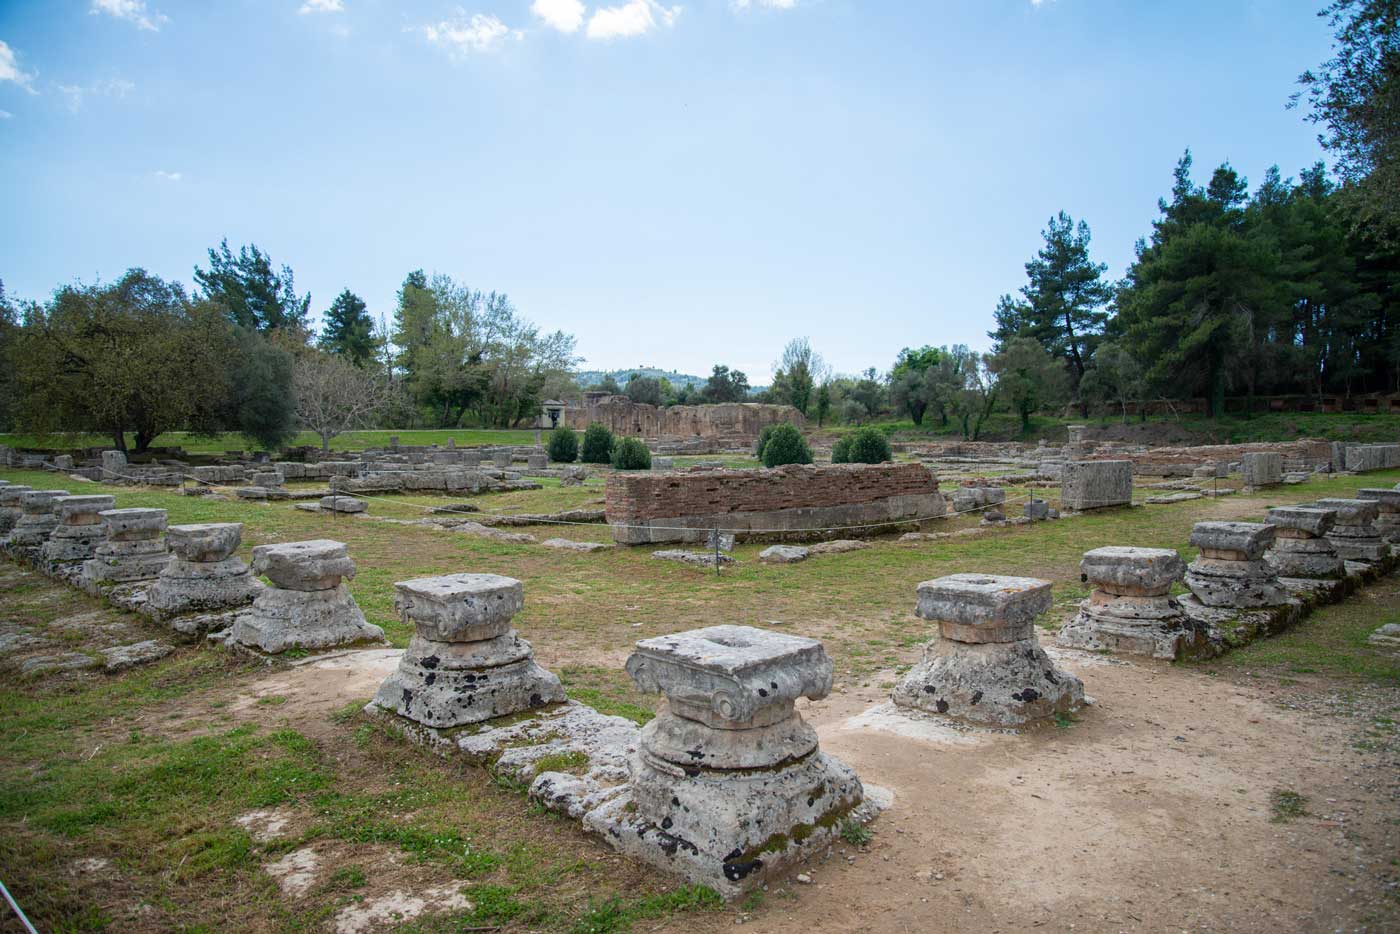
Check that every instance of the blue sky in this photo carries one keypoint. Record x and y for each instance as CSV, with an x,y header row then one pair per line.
x,y
677,182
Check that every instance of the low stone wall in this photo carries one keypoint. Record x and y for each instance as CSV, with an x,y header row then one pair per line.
x,y
787,504
1364,457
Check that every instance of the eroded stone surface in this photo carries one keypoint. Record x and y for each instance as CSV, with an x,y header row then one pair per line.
x,y
9,506
1354,534
1130,609
1301,548
203,576
986,667
309,607
1387,521
1230,571
465,663
344,504
1096,484
134,550
36,521
783,554
79,531
727,785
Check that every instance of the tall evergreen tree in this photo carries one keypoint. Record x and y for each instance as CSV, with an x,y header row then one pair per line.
x,y
1063,304
349,330
254,294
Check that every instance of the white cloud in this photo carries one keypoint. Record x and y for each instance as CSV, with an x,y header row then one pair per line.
x,y
133,11
633,18
167,176
563,15
76,93
10,71
5,115
322,6
775,4
463,35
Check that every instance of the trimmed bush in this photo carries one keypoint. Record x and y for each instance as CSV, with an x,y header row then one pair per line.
x,y
868,446
631,454
786,446
841,451
597,445
563,445
763,437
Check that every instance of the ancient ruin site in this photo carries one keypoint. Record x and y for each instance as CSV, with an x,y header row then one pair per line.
x,y
636,466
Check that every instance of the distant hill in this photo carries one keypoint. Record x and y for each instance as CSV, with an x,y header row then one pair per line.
x,y
588,378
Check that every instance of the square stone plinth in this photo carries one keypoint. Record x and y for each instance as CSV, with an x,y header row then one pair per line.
x,y
82,510
984,607
205,542
460,607
1126,570
1352,511
726,675
1311,520
134,523
1248,539
318,564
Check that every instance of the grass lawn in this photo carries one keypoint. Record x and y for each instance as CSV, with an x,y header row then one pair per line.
x,y
120,768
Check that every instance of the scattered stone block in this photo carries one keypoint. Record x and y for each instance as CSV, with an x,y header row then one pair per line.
x,y
837,546
1036,510
36,522
1262,469
1387,521
10,495
703,559
465,663
1354,533
1386,637
662,463
573,476
79,531
1088,485
1167,498
135,548
537,461
783,554
968,498
308,605
986,666
567,544
203,575
1301,548
122,657
113,466
1130,609
501,458
728,785
343,504
1230,571
53,664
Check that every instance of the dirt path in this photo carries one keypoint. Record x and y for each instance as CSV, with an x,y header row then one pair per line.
x,y
1152,813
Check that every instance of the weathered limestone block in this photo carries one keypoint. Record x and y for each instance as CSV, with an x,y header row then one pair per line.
x,y
309,606
36,522
344,504
728,785
63,462
113,466
537,461
1130,609
1096,484
203,575
783,554
1386,637
1301,548
1387,520
1230,571
9,506
986,667
1262,469
1354,535
968,498
501,458
1036,510
135,548
465,663
79,531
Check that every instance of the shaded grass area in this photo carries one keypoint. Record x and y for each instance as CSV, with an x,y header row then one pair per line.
x,y
349,441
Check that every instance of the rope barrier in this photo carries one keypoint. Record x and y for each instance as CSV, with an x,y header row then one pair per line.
x,y
19,912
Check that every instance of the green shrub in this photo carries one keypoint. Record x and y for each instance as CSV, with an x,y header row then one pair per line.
x,y
563,445
598,445
869,446
631,454
841,451
786,446
763,437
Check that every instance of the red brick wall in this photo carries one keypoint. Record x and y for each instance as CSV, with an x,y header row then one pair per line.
x,y
638,496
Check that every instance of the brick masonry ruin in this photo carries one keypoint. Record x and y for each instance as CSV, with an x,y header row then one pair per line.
x,y
789,503
711,428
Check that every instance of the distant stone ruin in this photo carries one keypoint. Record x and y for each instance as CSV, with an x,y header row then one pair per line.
x,y
706,428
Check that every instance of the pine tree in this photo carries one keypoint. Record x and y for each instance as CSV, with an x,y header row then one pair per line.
x,y
349,330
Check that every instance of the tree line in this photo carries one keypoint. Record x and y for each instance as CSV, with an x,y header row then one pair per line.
x,y
142,356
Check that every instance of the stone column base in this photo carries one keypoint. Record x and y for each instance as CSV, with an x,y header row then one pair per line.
x,y
1171,638
996,684
309,619
447,697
